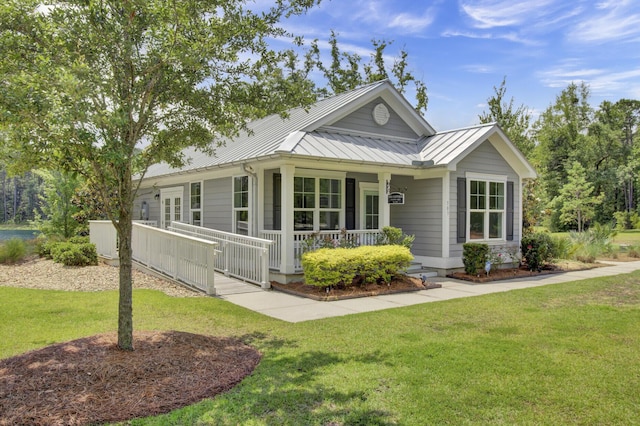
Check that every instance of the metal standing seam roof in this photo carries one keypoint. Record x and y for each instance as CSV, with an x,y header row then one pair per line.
x,y
295,136
445,147
267,134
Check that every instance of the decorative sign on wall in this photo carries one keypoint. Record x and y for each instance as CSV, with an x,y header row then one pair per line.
x,y
395,198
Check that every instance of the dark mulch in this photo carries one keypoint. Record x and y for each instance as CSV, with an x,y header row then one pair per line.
x,y
523,272
400,284
89,380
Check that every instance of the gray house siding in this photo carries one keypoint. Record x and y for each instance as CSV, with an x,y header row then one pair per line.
x,y
421,213
362,121
486,160
217,207
152,203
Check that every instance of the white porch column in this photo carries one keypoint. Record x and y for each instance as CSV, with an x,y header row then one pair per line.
x,y
446,214
384,188
287,265
259,208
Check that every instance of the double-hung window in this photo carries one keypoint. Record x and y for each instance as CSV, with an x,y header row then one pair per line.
x,y
241,205
195,196
317,203
486,208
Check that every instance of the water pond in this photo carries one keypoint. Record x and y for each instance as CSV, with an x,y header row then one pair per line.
x,y
25,234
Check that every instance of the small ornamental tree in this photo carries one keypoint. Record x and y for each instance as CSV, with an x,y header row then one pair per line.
x,y
105,88
577,198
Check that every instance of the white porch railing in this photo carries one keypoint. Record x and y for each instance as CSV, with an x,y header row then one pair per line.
x,y
104,236
240,256
360,237
181,257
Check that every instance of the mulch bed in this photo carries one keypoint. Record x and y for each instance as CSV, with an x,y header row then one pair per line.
x,y
89,380
521,272
400,284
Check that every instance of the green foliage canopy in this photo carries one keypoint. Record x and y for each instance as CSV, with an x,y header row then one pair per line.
x,y
105,88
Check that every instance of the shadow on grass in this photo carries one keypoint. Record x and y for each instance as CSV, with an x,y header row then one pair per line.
x,y
287,389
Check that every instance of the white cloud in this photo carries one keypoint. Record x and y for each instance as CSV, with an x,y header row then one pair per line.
x,y
601,81
409,23
502,13
479,69
511,36
612,21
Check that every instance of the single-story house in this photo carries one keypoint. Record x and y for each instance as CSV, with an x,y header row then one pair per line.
x,y
359,161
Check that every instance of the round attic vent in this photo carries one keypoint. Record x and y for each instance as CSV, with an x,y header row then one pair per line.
x,y
380,114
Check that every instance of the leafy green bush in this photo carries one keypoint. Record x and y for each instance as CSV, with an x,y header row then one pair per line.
x,y
343,266
79,239
13,250
590,244
394,236
634,251
561,247
626,220
536,250
474,256
70,254
45,244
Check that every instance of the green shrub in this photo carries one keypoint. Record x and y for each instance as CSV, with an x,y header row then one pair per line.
x,y
13,250
634,251
474,257
394,236
45,244
70,254
79,239
560,247
343,266
626,220
536,250
590,244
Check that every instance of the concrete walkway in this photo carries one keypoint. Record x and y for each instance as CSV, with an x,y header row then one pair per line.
x,y
296,309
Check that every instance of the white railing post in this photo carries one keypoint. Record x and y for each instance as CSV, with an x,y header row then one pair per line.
x,y
227,257
211,261
264,273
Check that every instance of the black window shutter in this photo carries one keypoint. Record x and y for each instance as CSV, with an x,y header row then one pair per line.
x,y
509,211
350,203
462,210
277,201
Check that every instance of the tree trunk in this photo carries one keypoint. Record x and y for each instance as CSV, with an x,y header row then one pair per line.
x,y
125,304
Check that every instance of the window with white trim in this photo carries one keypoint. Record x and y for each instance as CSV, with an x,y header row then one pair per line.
x,y
195,203
486,209
241,205
317,203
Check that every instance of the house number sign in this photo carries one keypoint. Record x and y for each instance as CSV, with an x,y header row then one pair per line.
x,y
395,198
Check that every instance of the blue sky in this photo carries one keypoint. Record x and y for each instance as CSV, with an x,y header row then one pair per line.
x,y
461,49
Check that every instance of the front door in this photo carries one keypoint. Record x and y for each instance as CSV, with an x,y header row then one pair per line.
x,y
171,206
371,206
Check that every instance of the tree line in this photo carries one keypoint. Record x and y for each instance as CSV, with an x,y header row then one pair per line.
x,y
587,159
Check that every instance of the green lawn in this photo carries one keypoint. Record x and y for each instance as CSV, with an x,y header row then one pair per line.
x,y
559,354
630,237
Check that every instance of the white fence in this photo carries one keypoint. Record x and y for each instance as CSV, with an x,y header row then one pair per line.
x,y
240,256
357,237
178,256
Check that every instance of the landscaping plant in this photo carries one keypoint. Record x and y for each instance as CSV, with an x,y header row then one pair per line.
x,y
474,257
344,266
13,250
